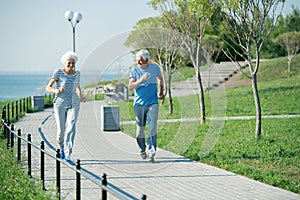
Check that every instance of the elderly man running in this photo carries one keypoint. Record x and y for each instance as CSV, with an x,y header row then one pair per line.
x,y
143,80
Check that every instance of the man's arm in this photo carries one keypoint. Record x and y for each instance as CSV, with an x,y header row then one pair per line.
x,y
161,87
135,83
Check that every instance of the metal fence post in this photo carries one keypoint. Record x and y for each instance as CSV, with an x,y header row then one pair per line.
x,y
104,182
78,180
27,104
8,136
12,110
19,145
8,114
58,172
12,135
4,112
21,106
17,110
4,120
43,164
29,154
24,104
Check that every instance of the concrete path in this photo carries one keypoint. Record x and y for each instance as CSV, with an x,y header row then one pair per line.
x,y
116,154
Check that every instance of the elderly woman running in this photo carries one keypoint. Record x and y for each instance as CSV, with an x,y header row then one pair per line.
x,y
66,103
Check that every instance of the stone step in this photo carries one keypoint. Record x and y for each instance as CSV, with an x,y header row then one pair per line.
x,y
214,76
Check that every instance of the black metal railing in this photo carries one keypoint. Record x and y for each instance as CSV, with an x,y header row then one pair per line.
x,y
16,109
11,135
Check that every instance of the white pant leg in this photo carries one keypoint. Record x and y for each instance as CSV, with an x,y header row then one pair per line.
x,y
72,115
152,117
60,117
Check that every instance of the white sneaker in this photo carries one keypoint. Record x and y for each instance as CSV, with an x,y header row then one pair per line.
x,y
151,158
151,154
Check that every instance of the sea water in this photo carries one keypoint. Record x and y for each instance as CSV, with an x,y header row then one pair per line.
x,y
15,85
19,85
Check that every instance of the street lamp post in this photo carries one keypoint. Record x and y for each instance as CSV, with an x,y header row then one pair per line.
x,y
74,19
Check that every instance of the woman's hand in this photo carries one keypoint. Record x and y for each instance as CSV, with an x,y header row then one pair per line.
x,y
83,99
59,90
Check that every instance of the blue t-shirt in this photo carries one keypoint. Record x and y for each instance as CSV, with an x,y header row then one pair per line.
x,y
68,97
146,93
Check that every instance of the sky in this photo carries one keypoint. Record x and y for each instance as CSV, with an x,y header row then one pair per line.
x,y
34,33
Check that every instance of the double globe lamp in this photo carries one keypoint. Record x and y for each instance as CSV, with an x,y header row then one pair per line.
x,y
74,19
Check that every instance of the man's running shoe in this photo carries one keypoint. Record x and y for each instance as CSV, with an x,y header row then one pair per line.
x,y
151,156
143,154
152,159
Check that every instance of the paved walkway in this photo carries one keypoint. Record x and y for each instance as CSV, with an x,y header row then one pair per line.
x,y
115,153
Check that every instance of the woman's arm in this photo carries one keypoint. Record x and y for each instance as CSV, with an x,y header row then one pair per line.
x,y
50,89
82,97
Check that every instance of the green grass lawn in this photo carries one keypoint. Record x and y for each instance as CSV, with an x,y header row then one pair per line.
x,y
15,183
274,159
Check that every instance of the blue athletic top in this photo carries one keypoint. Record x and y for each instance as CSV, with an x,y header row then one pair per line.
x,y
146,93
68,97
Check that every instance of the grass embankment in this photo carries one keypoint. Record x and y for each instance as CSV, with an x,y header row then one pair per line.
x,y
274,159
15,183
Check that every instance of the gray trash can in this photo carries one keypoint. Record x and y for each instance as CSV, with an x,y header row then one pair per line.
x,y
110,118
37,102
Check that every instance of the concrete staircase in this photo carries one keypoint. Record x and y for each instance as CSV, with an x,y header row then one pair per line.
x,y
211,78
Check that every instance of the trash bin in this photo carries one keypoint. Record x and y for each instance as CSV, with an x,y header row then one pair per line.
x,y
37,102
110,118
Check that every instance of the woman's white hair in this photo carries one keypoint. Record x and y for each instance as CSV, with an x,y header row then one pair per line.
x,y
68,55
143,53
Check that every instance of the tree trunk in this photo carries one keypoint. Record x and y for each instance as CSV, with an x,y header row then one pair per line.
x,y
170,94
289,65
201,98
257,106
170,102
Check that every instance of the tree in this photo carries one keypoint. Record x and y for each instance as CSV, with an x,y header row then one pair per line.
x,y
289,23
291,42
271,49
163,45
211,48
189,18
170,58
292,20
247,20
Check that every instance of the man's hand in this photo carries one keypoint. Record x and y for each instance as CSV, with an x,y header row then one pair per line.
x,y
161,96
145,77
